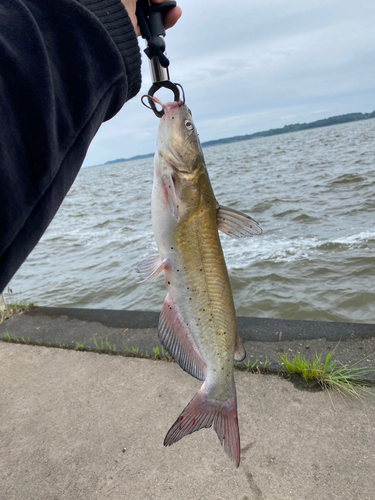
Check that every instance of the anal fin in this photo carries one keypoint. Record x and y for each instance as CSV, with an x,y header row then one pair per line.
x,y
176,339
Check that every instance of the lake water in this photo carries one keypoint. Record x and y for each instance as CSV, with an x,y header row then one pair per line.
x,y
313,193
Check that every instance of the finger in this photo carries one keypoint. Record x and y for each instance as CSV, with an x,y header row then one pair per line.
x,y
171,17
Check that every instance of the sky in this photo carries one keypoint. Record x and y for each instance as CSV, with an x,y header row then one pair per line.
x,y
252,65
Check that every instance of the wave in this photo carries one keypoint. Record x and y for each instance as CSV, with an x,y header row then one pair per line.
x,y
268,248
315,204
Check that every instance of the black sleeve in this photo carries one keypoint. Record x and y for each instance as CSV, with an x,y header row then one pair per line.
x,y
65,67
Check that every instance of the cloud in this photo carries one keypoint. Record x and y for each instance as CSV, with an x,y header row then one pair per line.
x,y
249,66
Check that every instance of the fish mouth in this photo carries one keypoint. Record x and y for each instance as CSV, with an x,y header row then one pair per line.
x,y
165,107
156,101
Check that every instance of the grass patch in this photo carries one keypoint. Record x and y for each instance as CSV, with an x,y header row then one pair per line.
x,y
161,354
11,310
81,347
328,374
324,373
105,347
255,367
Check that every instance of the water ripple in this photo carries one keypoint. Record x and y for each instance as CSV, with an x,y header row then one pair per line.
x,y
311,191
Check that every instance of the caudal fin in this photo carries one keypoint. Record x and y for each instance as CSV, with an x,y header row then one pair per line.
x,y
203,412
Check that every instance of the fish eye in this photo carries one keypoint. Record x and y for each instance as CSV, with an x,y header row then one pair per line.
x,y
189,125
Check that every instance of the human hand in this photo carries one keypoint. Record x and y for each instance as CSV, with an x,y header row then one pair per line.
x,y
171,17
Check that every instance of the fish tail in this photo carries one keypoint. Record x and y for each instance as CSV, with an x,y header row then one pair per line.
x,y
203,412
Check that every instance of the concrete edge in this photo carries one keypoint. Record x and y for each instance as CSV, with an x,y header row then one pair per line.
x,y
256,329
134,333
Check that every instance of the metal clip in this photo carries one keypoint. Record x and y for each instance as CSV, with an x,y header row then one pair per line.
x,y
150,21
168,85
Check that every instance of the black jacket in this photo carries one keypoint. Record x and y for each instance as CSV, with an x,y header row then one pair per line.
x,y
65,67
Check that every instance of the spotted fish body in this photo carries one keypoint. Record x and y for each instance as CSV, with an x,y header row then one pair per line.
x,y
197,323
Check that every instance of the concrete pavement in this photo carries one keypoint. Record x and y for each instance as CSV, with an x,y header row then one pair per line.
x,y
80,425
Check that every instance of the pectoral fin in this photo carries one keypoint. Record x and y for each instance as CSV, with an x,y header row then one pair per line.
x,y
236,224
175,337
151,268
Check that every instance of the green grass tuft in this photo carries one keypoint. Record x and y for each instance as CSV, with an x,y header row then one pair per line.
x,y
328,374
253,367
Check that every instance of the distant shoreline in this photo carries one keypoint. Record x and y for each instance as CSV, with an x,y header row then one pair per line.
x,y
296,127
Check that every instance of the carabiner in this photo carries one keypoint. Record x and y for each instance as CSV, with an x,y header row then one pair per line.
x,y
174,87
150,20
